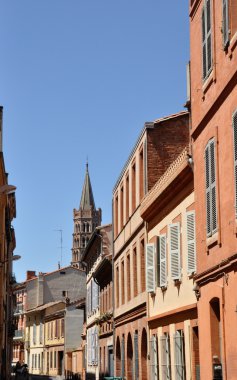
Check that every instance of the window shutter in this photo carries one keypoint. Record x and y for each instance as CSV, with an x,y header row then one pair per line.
x,y
235,157
211,209
225,22
191,242
165,357
175,251
206,39
154,358
179,355
96,345
150,268
162,261
92,346
136,357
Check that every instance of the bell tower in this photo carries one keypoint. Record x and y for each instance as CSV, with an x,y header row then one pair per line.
x,y
86,218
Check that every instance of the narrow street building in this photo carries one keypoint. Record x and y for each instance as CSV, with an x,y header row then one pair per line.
x,y
86,218
19,319
169,211
213,38
158,145
99,330
7,280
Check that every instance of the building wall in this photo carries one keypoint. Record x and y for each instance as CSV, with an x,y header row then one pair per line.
x,y
34,343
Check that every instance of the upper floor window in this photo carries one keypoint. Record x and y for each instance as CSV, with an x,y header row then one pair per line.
x,y
225,22
210,167
206,39
235,157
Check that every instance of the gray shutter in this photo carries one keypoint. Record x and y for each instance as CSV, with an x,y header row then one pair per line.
x,y
136,357
179,355
225,22
154,358
92,345
235,157
150,268
165,357
96,345
211,209
206,39
191,242
174,230
162,260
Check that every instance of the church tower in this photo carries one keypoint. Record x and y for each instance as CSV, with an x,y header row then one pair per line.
x,y
86,218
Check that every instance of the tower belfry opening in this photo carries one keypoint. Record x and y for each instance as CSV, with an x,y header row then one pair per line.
x,y
86,219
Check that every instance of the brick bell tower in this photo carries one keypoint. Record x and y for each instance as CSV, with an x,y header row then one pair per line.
x,y
86,218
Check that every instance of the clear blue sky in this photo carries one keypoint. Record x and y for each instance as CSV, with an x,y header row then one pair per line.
x,y
79,78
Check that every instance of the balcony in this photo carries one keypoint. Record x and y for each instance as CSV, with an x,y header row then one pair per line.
x,y
19,334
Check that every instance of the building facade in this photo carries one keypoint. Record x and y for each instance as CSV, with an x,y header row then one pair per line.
x,y
169,211
158,145
86,218
19,318
213,67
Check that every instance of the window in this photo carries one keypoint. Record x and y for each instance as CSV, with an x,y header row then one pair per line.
x,y
133,186
116,216
117,286
55,359
62,327
41,332
154,357
174,235
162,261
142,263
127,197
34,333
225,22
128,279
141,174
179,355
136,356
191,242
122,282
135,272
121,208
150,268
235,157
210,165
165,357
206,39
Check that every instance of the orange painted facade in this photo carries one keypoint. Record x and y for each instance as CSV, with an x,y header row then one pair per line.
x,y
213,107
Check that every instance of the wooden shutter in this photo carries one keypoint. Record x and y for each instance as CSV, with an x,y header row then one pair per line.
x,y
179,355
225,22
211,209
174,230
162,261
191,242
165,357
136,357
206,39
154,357
235,158
150,268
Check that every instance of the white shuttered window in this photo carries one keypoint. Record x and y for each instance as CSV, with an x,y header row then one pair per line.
x,y
150,268
162,261
206,39
191,242
235,157
174,236
211,209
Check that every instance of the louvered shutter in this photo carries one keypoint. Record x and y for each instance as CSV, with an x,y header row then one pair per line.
x,y
225,22
92,345
211,209
162,261
180,373
93,294
174,230
150,268
165,357
206,39
191,242
154,358
235,157
89,346
96,345
136,357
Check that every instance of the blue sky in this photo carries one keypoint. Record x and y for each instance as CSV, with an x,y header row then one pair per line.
x,y
80,78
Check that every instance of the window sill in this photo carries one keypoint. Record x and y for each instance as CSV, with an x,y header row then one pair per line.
x,y
212,240
207,83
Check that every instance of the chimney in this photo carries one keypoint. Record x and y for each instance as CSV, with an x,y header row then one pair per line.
x,y
1,113
40,290
30,274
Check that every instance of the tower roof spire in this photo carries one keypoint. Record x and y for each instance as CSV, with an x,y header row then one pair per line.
x,y
87,199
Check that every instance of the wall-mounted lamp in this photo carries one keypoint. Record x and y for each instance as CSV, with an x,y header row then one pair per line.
x,y
7,189
13,258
